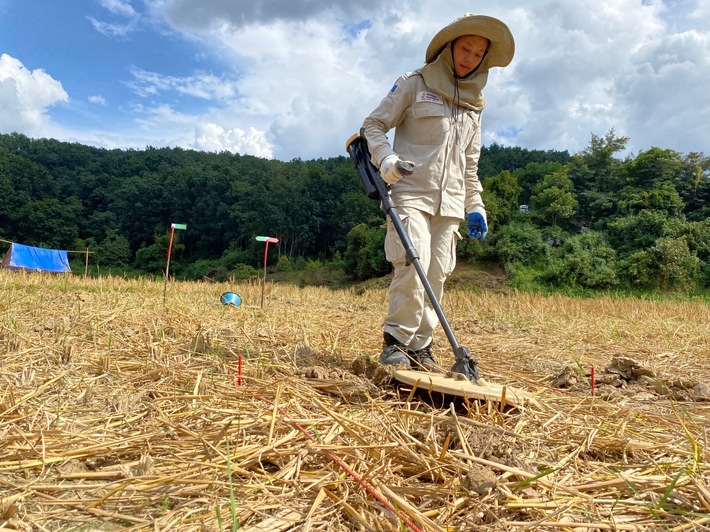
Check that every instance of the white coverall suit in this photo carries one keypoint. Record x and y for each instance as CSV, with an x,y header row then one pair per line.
x,y
444,142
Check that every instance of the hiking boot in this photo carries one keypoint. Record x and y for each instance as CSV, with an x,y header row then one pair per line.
x,y
394,353
423,358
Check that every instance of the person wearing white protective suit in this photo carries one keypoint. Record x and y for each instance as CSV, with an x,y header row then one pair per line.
x,y
436,114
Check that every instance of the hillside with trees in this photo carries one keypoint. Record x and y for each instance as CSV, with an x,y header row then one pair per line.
x,y
592,220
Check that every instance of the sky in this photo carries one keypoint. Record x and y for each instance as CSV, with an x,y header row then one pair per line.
x,y
294,79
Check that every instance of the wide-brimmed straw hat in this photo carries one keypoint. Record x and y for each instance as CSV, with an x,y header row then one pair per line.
x,y
502,46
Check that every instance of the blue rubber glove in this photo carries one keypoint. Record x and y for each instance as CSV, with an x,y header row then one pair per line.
x,y
477,224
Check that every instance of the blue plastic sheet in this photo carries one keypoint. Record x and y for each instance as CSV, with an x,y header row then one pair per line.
x,y
21,257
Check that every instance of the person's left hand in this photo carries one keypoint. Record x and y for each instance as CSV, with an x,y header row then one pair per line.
x,y
477,223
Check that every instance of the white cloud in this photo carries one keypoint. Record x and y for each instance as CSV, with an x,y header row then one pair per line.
x,y
201,85
310,82
111,29
665,92
212,137
161,125
119,7
116,8
297,78
25,96
301,94
585,67
200,15
98,100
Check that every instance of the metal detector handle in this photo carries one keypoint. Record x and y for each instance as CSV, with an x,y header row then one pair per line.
x,y
405,167
369,176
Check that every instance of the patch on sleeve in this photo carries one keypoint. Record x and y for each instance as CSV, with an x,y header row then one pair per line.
x,y
394,88
432,97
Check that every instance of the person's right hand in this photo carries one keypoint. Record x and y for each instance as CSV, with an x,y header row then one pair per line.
x,y
389,169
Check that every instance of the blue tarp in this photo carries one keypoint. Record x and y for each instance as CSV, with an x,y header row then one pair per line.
x,y
21,257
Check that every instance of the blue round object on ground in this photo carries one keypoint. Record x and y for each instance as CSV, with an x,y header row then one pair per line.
x,y
230,298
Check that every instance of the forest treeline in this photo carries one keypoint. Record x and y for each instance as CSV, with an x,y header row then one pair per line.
x,y
593,220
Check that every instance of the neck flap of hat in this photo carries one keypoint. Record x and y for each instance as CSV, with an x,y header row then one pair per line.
x,y
439,76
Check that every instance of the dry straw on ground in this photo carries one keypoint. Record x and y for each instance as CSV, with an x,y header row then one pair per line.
x,y
120,412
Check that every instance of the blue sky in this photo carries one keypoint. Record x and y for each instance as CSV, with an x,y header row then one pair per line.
x,y
294,79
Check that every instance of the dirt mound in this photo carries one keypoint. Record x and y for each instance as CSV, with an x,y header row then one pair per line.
x,y
626,377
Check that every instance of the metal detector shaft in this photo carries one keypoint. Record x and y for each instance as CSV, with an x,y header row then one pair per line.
x,y
376,188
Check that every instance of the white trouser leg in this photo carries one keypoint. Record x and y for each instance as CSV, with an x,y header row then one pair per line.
x,y
410,316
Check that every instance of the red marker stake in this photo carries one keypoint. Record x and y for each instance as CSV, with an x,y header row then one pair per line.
x,y
170,248
239,371
268,240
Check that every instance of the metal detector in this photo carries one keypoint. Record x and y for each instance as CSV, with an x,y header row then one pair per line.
x,y
377,189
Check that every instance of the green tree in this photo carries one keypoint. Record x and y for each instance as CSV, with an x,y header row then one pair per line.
x,y
677,266
99,224
21,181
500,194
663,198
153,258
553,202
284,264
202,269
696,234
597,174
365,257
49,222
114,250
693,184
530,175
649,169
496,158
227,199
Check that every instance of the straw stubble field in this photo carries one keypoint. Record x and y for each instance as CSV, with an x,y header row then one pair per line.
x,y
119,411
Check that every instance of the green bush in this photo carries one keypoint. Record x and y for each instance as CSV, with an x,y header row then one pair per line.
x,y
244,272
637,232
114,250
471,249
284,264
520,242
584,260
668,265
232,257
521,277
206,269
300,264
677,266
637,269
705,274
151,259
364,257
